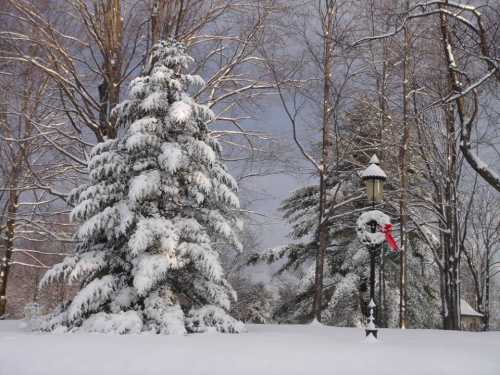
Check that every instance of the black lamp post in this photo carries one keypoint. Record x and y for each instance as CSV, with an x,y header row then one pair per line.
x,y
373,177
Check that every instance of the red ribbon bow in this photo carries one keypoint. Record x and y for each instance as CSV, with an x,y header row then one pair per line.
x,y
387,230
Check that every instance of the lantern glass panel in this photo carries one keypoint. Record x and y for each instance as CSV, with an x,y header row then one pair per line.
x,y
375,190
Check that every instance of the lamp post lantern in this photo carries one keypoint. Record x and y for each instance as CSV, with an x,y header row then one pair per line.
x,y
373,177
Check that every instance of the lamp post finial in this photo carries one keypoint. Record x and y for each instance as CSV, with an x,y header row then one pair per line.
x,y
374,160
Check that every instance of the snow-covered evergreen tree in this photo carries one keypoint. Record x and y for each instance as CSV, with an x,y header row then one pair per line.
x,y
157,203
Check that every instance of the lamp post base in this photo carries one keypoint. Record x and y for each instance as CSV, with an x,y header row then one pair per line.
x,y
371,332
371,329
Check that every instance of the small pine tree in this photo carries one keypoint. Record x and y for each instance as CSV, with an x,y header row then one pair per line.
x,y
157,202
345,291
346,262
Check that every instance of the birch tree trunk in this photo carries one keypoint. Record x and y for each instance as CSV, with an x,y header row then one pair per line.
x,y
451,319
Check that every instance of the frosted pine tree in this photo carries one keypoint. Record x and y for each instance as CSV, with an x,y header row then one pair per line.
x,y
158,202
345,292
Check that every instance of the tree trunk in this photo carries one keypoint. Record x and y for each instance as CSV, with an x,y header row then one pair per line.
x,y
403,172
8,246
327,155
109,89
156,20
486,299
452,253
381,290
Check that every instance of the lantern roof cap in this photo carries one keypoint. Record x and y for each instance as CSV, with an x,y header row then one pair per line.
x,y
374,160
373,170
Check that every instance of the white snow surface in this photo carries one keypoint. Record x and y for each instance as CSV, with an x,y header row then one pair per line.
x,y
264,350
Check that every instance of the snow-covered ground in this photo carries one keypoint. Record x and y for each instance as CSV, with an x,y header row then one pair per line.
x,y
264,350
